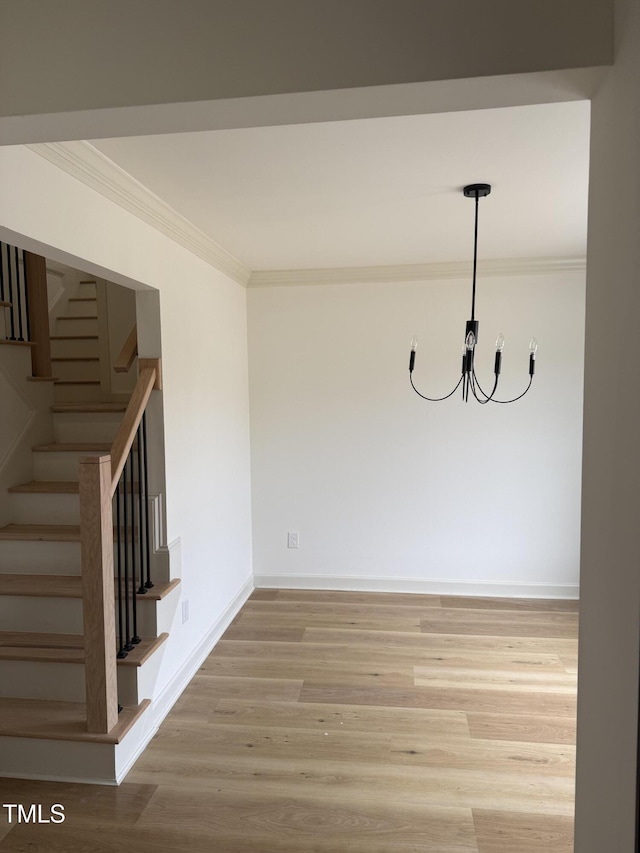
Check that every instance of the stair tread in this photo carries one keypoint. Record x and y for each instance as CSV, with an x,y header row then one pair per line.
x,y
66,447
73,338
46,487
77,381
40,532
76,358
83,299
65,586
71,408
6,342
66,648
78,317
56,720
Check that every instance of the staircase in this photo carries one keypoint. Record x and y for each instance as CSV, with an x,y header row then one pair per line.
x,y
43,719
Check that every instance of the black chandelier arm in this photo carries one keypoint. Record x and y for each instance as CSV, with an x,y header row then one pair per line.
x,y
520,396
435,399
488,397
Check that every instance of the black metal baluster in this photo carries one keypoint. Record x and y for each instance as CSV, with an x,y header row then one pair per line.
x,y
2,298
121,649
26,294
148,582
10,283
2,292
18,294
128,644
141,513
134,596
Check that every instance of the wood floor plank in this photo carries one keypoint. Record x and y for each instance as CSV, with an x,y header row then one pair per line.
x,y
340,609
440,640
337,826
205,691
327,618
345,781
264,594
121,804
258,632
508,832
450,658
484,603
500,623
343,672
523,727
495,679
375,599
356,718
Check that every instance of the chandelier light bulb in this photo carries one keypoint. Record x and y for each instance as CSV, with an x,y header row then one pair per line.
x,y
533,346
500,342
470,341
414,343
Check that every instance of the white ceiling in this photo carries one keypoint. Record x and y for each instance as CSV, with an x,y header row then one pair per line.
x,y
377,191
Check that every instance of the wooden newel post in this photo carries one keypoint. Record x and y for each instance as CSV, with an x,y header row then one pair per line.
x,y
96,541
36,275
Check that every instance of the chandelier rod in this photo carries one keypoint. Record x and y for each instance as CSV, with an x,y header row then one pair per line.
x,y
475,260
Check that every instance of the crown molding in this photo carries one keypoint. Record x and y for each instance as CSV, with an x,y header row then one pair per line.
x,y
90,166
84,162
414,272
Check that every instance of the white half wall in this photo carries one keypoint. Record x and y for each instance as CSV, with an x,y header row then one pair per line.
x,y
205,391
388,491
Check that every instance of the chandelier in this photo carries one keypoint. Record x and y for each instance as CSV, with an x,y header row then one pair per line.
x,y
468,379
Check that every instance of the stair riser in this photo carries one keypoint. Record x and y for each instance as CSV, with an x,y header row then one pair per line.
x,y
75,326
59,466
64,349
44,558
64,615
44,509
88,289
76,369
81,309
35,758
65,681
77,393
51,509
40,680
99,426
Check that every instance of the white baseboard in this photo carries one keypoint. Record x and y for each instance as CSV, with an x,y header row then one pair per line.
x,y
431,586
161,706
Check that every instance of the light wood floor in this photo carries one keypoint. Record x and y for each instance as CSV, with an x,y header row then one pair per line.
x,y
326,722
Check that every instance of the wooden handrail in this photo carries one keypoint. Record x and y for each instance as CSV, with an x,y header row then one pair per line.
x,y
128,352
148,380
35,267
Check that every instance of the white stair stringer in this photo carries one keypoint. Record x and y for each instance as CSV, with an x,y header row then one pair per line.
x,y
76,757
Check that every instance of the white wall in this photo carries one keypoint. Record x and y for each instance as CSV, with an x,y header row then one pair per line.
x,y
204,353
391,491
607,772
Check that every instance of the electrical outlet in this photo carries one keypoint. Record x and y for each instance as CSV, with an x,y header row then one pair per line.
x,y
185,610
293,541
